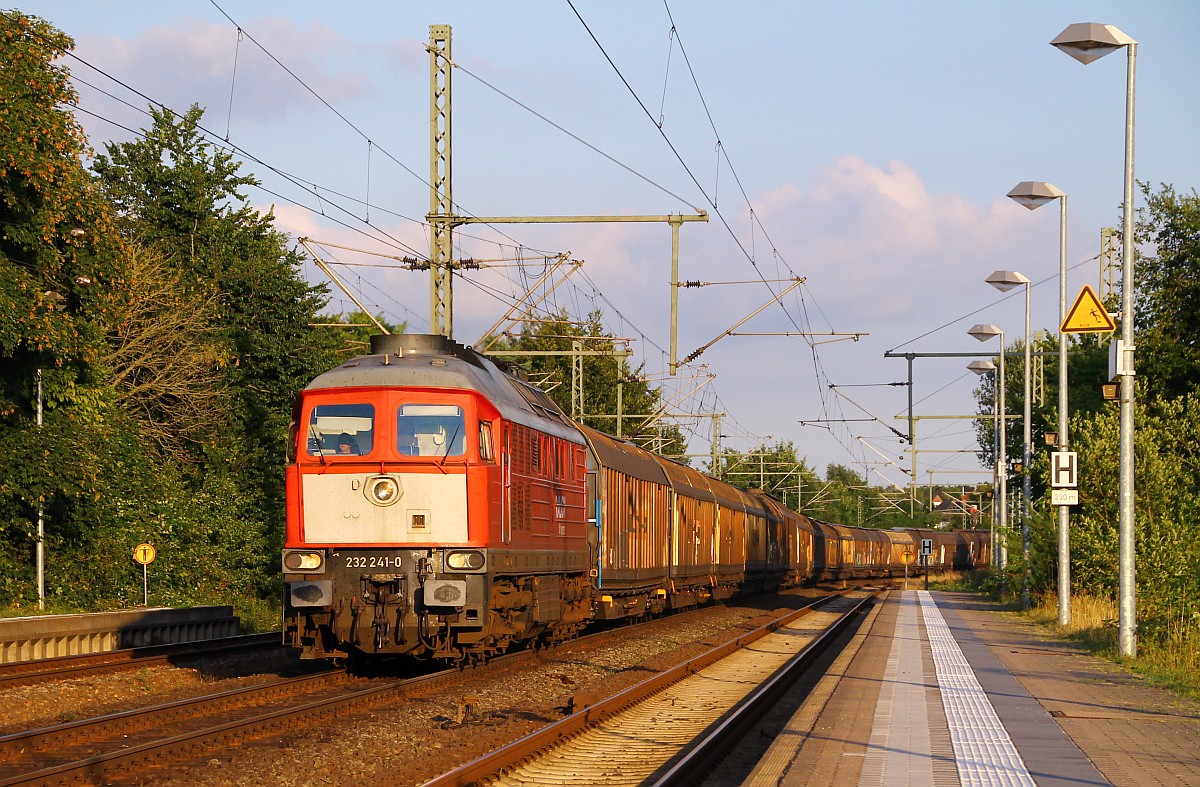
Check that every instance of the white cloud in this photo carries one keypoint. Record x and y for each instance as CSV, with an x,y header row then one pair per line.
x,y
873,241
194,63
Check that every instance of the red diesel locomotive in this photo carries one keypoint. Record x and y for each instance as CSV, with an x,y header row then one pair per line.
x,y
441,507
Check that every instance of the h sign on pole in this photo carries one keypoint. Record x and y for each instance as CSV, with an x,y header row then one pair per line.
x,y
1064,469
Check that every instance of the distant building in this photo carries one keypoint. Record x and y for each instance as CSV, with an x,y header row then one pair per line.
x,y
954,511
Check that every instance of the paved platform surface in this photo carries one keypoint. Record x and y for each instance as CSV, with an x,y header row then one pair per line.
x,y
946,689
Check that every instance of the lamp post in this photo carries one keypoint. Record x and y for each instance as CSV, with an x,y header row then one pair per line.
x,y
1005,281
1087,42
983,332
41,522
981,368
1033,195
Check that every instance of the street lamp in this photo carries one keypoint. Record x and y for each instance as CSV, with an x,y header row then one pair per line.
x,y
1086,42
983,332
999,549
1033,195
1005,281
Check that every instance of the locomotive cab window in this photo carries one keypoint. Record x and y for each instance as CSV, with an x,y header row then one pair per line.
x,y
437,430
341,430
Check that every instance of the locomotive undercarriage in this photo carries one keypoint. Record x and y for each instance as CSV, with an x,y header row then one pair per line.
x,y
426,613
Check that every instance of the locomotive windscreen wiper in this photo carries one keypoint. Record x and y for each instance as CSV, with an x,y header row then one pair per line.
x,y
450,443
317,440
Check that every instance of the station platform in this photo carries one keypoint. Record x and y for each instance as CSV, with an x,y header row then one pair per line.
x,y
943,689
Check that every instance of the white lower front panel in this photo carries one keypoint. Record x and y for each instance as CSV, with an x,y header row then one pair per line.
x,y
430,508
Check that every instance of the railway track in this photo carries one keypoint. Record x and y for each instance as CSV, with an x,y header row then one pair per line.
x,y
100,749
119,746
26,673
148,742
670,729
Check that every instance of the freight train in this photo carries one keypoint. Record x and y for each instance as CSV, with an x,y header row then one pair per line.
x,y
440,506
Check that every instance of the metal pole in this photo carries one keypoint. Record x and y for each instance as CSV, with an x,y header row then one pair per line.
x,y
41,522
673,366
1127,602
996,503
441,201
995,478
1026,533
1002,469
1064,512
620,406
912,443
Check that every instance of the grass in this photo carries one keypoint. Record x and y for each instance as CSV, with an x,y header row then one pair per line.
x,y
1170,660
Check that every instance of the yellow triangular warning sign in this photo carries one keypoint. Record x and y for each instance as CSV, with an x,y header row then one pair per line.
x,y
1088,315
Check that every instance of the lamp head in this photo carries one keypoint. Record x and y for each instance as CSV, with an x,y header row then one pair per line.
x,y
1033,194
983,331
1006,280
1089,41
981,367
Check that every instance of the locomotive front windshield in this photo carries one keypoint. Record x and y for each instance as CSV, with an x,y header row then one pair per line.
x,y
347,429
430,430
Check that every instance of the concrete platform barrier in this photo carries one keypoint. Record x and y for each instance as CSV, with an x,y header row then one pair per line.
x,y
48,636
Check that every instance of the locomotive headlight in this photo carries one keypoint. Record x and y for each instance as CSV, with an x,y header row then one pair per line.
x,y
303,560
465,561
383,490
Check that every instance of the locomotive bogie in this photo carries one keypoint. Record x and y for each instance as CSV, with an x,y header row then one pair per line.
x,y
415,602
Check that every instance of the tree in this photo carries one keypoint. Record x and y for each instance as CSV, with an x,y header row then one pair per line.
x,y
612,397
166,368
174,334
1087,361
184,197
58,261
1168,291
776,469
1167,467
355,337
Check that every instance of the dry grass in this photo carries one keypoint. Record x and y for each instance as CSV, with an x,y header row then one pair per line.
x,y
1171,660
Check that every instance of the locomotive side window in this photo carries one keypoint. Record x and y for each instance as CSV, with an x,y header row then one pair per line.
x,y
341,429
486,452
437,430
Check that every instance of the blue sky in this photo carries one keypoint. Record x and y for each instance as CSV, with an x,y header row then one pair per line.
x,y
871,142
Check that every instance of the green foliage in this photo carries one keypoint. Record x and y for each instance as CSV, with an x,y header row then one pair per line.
x,y
1167,471
1087,370
843,496
1167,431
174,331
179,194
56,256
183,197
775,469
114,494
1168,291
355,338
599,389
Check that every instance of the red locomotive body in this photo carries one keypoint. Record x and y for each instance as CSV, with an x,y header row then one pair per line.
x,y
435,507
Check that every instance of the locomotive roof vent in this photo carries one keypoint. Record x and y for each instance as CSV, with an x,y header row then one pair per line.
x,y
408,344
403,344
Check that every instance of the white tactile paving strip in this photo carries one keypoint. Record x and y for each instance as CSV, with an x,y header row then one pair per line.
x,y
983,750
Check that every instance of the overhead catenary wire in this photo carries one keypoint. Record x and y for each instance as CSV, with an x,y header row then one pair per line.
x,y
319,198
308,187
